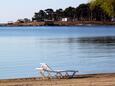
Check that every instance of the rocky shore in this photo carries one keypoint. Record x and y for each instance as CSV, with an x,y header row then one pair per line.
x,y
59,23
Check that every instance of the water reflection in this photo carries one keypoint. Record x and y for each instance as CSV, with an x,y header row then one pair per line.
x,y
105,40
94,40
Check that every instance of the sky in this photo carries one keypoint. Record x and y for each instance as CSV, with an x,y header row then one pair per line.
x,y
11,10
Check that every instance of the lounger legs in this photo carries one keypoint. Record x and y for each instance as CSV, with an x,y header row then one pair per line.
x,y
42,74
59,75
73,74
45,76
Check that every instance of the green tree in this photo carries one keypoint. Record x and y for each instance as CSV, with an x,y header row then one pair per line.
x,y
107,5
50,14
70,12
59,14
83,12
40,16
98,14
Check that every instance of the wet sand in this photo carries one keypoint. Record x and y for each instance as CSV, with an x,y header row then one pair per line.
x,y
80,80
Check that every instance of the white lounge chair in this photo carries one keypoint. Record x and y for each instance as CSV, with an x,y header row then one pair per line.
x,y
46,71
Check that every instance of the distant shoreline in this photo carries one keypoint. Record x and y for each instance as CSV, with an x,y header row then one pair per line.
x,y
59,23
104,79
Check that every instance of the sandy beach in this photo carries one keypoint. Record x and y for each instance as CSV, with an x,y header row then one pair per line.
x,y
80,80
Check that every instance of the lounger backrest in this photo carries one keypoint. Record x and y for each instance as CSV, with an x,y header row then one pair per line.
x,y
45,66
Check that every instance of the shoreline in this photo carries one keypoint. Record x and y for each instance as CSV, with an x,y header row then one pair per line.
x,y
58,23
102,79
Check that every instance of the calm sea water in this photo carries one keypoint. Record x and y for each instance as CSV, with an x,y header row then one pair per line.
x,y
89,49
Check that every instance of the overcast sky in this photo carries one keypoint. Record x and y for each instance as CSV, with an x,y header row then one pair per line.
x,y
11,10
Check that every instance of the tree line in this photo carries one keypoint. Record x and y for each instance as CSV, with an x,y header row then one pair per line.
x,y
95,10
82,12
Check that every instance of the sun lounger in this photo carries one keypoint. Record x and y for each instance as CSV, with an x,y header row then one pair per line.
x,y
46,71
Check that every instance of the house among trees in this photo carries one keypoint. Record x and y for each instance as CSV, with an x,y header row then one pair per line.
x,y
113,19
65,19
25,20
10,22
69,19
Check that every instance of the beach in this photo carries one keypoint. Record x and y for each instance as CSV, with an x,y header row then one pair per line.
x,y
80,80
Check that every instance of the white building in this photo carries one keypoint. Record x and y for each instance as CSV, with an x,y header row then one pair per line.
x,y
68,19
65,19
113,19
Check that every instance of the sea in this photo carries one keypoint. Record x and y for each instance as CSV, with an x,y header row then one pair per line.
x,y
87,48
